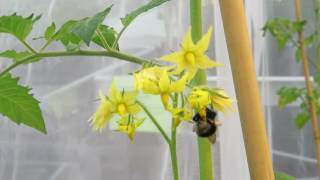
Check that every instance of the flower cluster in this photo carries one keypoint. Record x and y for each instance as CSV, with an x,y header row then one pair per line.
x,y
120,103
170,83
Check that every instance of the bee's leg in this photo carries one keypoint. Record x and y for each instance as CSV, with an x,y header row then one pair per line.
x,y
213,138
218,122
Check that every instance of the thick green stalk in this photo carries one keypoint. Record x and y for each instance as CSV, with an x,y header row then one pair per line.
x,y
114,54
204,146
173,152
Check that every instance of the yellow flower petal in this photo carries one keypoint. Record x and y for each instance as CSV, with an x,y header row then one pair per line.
x,y
220,100
134,109
191,73
203,44
165,99
179,85
172,57
199,98
103,114
205,62
150,87
130,97
187,42
164,82
114,93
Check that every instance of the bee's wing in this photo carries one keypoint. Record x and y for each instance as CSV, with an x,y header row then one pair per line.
x,y
213,138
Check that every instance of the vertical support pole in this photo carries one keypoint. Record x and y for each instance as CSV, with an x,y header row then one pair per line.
x,y
311,104
247,91
204,146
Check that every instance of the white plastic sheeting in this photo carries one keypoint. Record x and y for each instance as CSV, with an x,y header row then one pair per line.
x,y
68,86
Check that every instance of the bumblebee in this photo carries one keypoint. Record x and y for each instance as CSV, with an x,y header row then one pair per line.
x,y
207,126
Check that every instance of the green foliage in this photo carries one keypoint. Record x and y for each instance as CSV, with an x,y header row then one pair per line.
x,y
283,176
86,27
18,26
18,104
301,119
50,32
132,15
18,56
283,29
288,95
15,101
109,35
67,38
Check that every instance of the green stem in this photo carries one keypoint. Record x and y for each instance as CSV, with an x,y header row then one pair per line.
x,y
173,151
173,145
112,53
28,46
103,40
155,122
119,36
204,146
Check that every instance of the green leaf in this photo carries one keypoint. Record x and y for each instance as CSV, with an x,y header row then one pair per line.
x,y
67,37
298,55
283,30
109,35
283,176
18,26
310,39
132,15
86,27
301,119
50,32
18,56
298,26
317,78
19,105
288,95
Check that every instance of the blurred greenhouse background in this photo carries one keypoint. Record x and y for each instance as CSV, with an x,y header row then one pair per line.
x,y
68,89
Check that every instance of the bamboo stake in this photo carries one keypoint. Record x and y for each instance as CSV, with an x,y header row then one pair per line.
x,y
305,63
247,91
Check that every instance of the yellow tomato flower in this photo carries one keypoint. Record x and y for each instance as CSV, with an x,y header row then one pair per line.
x,y
220,100
192,55
179,114
103,114
156,80
129,124
123,102
199,99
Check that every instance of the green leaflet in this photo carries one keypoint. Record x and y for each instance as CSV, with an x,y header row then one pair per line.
x,y
132,15
17,26
18,104
18,56
50,32
109,35
288,95
283,176
302,119
64,34
283,30
86,27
